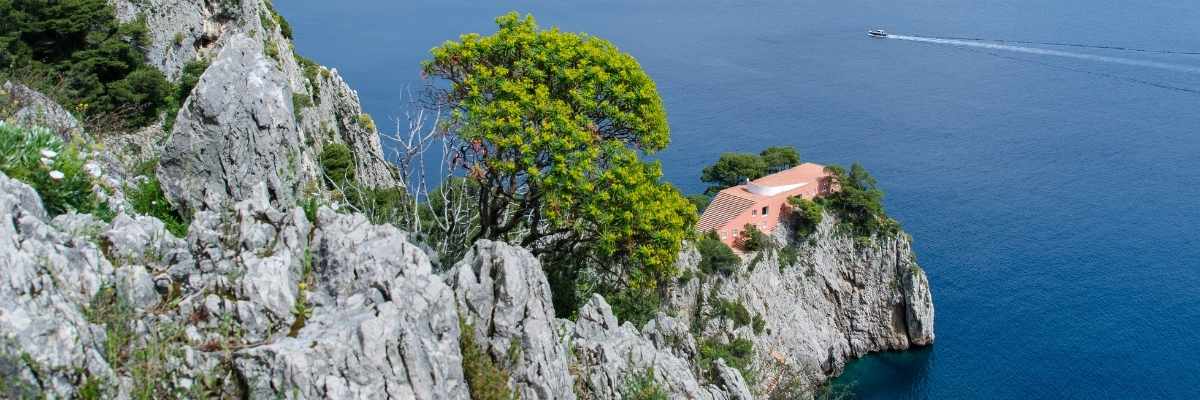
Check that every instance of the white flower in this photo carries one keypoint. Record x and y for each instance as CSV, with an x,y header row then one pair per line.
x,y
93,169
334,206
56,175
47,161
49,153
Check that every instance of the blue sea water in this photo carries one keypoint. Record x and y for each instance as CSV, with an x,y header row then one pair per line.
x,y
1054,200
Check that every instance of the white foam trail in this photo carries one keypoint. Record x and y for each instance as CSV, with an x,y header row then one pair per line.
x,y
1046,52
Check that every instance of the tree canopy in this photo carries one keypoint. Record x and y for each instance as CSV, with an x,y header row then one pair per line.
x,y
858,200
99,60
734,168
551,126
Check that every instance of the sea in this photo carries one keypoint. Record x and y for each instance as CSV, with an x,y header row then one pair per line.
x,y
1043,154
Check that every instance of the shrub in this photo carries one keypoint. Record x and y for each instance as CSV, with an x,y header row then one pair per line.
x,y
57,171
486,380
737,354
312,72
300,101
715,256
858,201
338,163
99,60
700,201
365,121
188,79
643,387
636,305
759,324
732,310
788,255
806,215
148,198
753,239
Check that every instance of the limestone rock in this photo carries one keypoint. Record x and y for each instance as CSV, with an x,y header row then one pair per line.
x,y
503,293
609,355
235,131
383,326
47,346
24,106
842,299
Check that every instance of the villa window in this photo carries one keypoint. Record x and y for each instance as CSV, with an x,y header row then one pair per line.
x,y
764,210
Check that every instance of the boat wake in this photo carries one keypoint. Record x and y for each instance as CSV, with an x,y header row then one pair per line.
x,y
1048,52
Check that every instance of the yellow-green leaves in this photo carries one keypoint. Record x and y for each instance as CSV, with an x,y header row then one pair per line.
x,y
558,121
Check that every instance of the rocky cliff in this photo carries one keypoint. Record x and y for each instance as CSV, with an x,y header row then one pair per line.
x,y
264,299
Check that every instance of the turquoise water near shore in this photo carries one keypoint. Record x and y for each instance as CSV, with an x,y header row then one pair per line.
x,y
1053,199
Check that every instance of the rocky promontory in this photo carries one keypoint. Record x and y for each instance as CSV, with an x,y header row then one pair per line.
x,y
258,292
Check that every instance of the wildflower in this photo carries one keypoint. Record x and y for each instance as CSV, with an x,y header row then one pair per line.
x,y
303,286
57,175
47,162
49,153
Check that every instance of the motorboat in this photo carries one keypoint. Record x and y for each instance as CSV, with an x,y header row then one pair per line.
x,y
877,33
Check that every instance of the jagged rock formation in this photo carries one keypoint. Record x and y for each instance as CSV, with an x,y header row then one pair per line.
x,y
21,105
609,353
841,299
261,300
329,111
234,132
504,295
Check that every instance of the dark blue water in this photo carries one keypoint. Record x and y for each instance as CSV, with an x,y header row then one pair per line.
x,y
1055,202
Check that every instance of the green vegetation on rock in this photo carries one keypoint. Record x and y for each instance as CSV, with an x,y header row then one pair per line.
x,y
556,122
486,379
733,168
148,198
643,387
80,44
57,171
715,256
858,202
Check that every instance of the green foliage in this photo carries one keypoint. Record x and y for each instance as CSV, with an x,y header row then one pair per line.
x,y
700,201
788,255
732,310
486,380
643,387
381,205
858,201
300,101
312,72
738,354
779,158
188,79
99,60
759,324
752,239
715,256
556,122
365,121
636,305
731,170
110,310
23,156
338,163
271,49
148,198
734,168
806,215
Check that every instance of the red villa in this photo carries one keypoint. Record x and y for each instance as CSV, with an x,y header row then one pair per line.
x,y
762,202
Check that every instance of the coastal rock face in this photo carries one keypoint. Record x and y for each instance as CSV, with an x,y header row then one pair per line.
x,y
327,109
235,131
503,294
609,355
47,344
841,299
382,325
